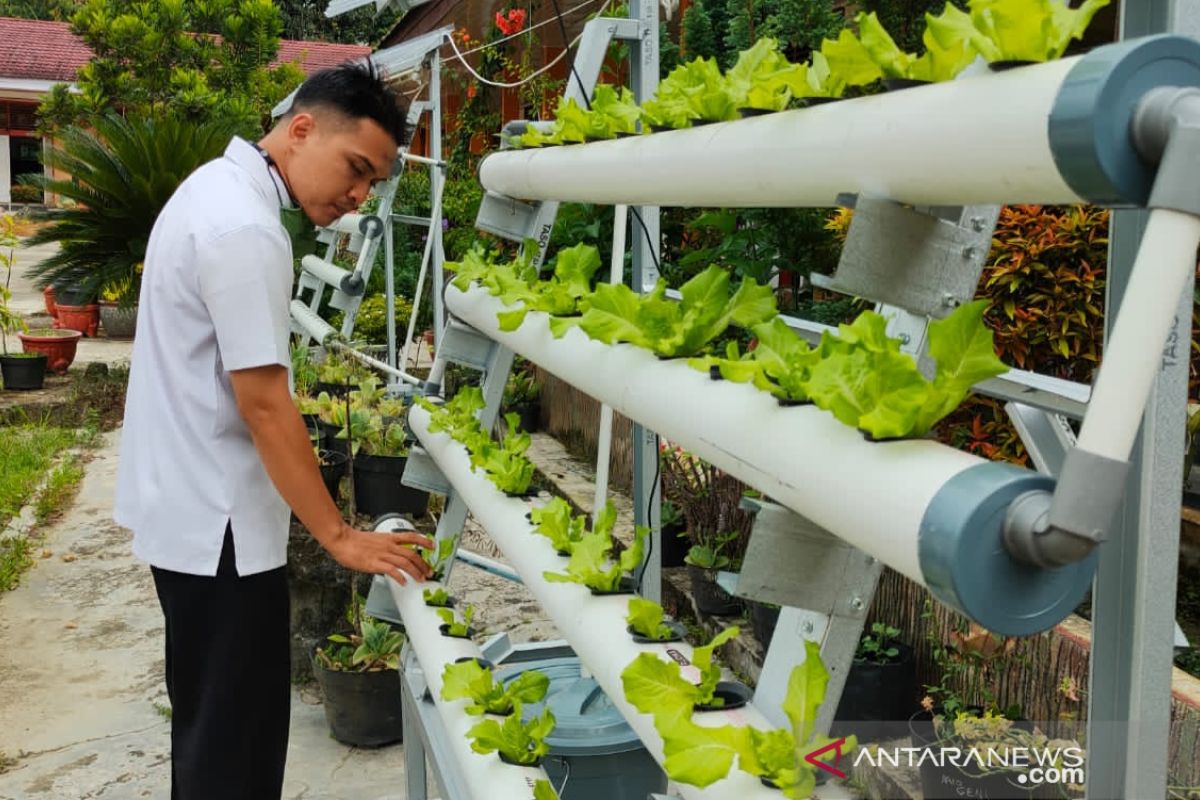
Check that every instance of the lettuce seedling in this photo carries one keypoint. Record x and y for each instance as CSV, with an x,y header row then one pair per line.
x,y
763,78
467,680
615,313
505,463
570,282
453,626
555,521
646,619
516,741
657,687
590,564
438,598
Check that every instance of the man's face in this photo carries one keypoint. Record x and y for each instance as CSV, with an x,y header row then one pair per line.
x,y
334,160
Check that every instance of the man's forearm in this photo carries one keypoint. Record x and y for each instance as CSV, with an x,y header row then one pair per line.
x,y
283,444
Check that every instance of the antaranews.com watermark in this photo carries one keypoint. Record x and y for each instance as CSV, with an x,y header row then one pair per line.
x,y
1029,765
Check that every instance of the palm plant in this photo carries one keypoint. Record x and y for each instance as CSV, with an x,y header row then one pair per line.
x,y
119,175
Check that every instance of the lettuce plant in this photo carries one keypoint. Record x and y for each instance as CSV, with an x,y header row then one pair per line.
x,y
467,680
440,557
646,618
1016,30
516,741
657,687
542,790
875,55
505,463
762,78
438,598
695,91
612,111
560,294
555,521
615,313
453,627
590,562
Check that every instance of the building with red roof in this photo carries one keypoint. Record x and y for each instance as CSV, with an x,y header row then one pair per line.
x,y
36,55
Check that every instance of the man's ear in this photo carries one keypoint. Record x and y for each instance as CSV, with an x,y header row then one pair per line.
x,y
300,127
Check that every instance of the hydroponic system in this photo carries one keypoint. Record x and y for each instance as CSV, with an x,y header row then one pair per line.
x,y
829,425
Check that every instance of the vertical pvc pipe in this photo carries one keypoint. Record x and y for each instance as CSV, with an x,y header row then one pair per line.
x,y
435,217
1133,353
616,274
389,279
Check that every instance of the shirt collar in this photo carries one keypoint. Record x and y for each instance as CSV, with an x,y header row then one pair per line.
x,y
266,179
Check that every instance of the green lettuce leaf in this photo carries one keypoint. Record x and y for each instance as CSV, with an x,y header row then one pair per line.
x,y
847,58
542,790
555,521
646,618
520,742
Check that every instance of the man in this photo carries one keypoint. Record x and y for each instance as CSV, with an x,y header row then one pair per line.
x,y
213,451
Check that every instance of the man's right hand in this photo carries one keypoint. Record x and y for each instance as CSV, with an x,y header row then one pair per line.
x,y
388,554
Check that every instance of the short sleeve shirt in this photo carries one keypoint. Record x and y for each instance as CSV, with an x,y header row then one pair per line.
x,y
216,288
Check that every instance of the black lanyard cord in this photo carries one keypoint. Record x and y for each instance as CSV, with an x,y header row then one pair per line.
x,y
272,165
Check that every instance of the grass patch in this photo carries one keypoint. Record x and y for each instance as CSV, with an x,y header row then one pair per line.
x,y
14,560
59,491
26,452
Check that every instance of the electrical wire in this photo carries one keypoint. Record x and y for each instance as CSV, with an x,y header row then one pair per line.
x,y
458,54
583,91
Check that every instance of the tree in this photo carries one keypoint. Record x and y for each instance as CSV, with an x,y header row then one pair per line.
x,y
192,59
305,20
905,19
60,10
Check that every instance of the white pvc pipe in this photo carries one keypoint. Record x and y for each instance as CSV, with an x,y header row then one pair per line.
x,y
374,363
437,186
594,626
800,457
979,140
347,223
487,777
313,325
326,272
616,274
1133,352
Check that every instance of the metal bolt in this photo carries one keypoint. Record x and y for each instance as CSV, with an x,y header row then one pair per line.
x,y
968,252
807,627
856,603
950,301
977,224
904,338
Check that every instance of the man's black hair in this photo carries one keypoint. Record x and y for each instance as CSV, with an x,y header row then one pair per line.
x,y
355,90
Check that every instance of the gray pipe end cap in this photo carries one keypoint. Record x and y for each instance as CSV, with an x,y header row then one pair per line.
x,y
967,567
1090,124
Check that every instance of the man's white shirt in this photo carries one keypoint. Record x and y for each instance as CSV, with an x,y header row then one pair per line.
x,y
216,287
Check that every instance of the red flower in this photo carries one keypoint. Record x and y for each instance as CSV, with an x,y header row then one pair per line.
x,y
471,91
512,23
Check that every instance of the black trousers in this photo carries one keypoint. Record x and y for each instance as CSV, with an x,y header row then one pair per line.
x,y
229,680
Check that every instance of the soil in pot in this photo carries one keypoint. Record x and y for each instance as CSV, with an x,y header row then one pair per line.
x,y
378,490
58,346
23,371
362,708
881,694
709,596
731,693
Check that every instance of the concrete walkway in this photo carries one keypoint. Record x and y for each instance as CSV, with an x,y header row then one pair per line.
x,y
81,671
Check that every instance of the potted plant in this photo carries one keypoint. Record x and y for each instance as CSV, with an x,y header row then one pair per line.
x,y
19,370
58,345
358,678
704,561
379,460
882,681
674,535
102,170
118,307
521,393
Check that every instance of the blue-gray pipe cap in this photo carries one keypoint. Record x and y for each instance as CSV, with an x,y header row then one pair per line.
x,y
967,567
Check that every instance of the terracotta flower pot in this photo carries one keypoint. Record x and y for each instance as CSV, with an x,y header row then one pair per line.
x,y
48,297
57,345
85,319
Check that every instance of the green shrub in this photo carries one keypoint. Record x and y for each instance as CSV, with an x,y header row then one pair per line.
x,y
371,323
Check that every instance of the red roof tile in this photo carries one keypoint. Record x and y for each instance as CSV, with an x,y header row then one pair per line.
x,y
49,51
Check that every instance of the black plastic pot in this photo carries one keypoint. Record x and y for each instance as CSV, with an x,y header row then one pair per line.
x,y
530,414
709,596
362,708
74,296
331,441
763,619
883,694
948,781
1007,64
23,372
821,101
755,112
674,547
677,633
510,762
333,467
896,84
377,487
627,585
444,629
482,662
734,695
